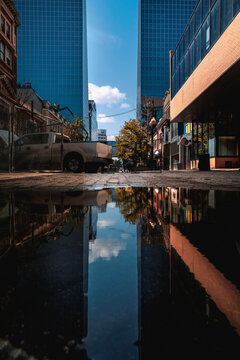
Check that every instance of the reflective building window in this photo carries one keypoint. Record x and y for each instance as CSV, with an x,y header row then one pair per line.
x,y
52,51
226,13
215,22
236,6
205,37
205,6
198,49
161,24
209,19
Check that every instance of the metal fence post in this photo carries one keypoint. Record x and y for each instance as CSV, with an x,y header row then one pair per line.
x,y
12,137
9,140
62,129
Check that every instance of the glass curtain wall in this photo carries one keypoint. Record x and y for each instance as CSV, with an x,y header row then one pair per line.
x,y
208,21
161,23
52,52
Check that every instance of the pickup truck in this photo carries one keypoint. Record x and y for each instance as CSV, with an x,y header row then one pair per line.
x,y
43,151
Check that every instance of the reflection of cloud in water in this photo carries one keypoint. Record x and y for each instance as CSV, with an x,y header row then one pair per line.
x,y
111,205
105,249
125,236
102,224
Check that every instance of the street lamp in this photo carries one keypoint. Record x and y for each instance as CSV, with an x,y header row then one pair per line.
x,y
152,124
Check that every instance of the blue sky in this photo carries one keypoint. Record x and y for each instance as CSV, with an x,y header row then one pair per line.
x,y
112,60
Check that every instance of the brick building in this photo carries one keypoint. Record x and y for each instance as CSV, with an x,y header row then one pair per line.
x,y
8,59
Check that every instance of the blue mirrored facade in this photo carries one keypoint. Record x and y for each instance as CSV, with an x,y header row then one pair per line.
x,y
161,23
208,21
52,52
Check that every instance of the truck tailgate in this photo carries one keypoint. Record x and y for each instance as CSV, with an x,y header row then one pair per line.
x,y
104,151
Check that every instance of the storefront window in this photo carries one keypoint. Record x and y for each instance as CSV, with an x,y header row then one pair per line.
x,y
194,141
227,146
174,130
188,128
211,130
199,139
211,147
205,138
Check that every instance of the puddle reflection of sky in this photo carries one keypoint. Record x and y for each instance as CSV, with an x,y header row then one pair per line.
x,y
112,296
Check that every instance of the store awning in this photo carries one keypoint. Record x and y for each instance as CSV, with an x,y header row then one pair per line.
x,y
185,140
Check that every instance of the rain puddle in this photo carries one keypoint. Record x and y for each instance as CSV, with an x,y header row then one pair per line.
x,y
125,273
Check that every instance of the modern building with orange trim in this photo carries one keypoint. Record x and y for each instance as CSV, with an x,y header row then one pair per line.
x,y
205,82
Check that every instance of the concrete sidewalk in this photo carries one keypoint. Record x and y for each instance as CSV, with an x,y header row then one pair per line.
x,y
58,181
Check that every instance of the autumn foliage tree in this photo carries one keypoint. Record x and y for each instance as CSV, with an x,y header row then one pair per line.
x,y
132,133
75,129
132,203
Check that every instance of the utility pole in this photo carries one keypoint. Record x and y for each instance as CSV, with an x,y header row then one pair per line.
x,y
149,114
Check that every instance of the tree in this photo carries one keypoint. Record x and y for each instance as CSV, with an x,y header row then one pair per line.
x,y
75,129
132,133
132,203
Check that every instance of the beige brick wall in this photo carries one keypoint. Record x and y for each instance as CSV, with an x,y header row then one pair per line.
x,y
224,53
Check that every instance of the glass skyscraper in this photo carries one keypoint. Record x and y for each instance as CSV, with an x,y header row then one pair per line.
x,y
52,52
161,23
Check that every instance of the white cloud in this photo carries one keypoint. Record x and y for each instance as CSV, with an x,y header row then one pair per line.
x,y
111,205
125,106
111,138
102,224
101,118
105,95
105,249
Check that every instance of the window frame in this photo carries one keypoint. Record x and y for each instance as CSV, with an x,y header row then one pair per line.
x,y
8,26
8,50
2,51
3,24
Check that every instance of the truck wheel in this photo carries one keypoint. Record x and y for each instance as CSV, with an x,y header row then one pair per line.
x,y
74,164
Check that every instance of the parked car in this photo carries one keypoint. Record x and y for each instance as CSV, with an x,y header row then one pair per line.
x,y
43,151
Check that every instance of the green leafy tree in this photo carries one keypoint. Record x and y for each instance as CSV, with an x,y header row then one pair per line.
x,y
130,134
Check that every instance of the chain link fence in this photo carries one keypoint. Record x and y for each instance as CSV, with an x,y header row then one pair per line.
x,y
16,122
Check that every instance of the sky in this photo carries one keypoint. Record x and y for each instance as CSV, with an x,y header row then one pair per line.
x,y
112,61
